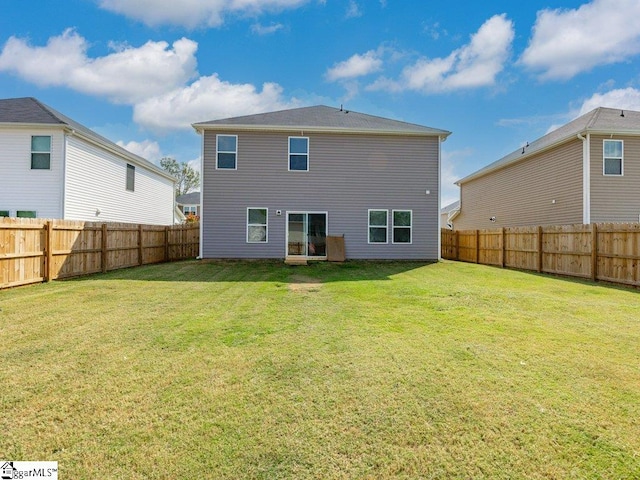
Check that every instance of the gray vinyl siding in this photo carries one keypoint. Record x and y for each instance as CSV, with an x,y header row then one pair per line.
x,y
615,198
348,174
522,194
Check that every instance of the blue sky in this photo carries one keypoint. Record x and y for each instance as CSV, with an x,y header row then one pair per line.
x,y
495,73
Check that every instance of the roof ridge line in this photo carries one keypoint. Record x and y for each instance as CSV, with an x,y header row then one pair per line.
x,y
48,110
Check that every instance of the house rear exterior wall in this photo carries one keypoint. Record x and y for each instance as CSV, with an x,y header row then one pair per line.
x,y
523,194
615,198
348,174
24,188
96,180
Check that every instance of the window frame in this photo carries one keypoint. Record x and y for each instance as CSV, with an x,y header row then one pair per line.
x,y
605,158
370,226
218,152
265,225
41,152
130,181
190,209
296,153
393,227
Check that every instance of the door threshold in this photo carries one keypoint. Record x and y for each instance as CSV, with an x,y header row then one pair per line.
x,y
296,260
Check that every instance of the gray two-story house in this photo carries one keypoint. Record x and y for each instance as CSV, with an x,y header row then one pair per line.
x,y
275,185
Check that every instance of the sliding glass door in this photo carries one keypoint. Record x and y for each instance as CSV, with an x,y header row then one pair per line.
x,y
307,234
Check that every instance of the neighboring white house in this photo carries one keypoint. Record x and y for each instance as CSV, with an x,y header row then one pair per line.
x,y
53,167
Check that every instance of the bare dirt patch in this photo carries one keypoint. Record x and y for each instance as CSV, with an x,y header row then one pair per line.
x,y
302,284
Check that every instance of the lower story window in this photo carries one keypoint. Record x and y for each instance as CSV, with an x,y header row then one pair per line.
x,y
402,224
26,214
257,219
378,226
4,213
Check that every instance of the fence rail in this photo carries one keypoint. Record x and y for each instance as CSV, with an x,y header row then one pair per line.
x,y
37,250
604,251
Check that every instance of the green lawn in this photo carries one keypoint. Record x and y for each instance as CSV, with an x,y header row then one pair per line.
x,y
256,370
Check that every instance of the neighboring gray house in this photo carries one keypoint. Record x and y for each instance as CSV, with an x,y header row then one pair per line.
x,y
448,213
587,171
189,203
53,167
275,185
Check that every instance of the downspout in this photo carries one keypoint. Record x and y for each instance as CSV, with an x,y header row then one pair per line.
x,y
201,132
440,140
586,178
453,214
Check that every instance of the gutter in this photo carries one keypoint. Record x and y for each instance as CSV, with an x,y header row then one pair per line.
x,y
200,128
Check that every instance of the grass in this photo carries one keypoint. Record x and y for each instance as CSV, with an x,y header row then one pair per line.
x,y
364,370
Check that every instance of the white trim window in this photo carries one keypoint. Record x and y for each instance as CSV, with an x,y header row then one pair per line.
x,y
131,177
41,152
257,225
378,226
402,226
190,209
613,157
227,152
299,154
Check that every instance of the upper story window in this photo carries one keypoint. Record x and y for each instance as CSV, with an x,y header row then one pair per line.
x,y
40,152
299,153
378,226
190,210
131,177
613,154
402,223
226,151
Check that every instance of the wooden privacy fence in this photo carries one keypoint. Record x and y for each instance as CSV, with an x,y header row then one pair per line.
x,y
604,251
37,250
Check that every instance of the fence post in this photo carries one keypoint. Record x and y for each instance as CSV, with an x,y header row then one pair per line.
x,y
456,243
166,244
594,252
539,249
140,246
504,249
477,246
104,248
48,265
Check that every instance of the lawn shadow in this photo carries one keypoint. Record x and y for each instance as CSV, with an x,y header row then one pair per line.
x,y
560,277
260,271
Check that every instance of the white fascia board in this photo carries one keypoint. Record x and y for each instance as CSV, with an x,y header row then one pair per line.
x,y
199,127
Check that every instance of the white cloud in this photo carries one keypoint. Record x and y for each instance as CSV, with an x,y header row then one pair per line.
x,y
567,42
147,149
355,66
127,75
624,98
474,65
260,29
353,10
450,192
193,13
208,98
